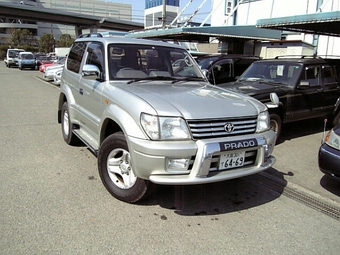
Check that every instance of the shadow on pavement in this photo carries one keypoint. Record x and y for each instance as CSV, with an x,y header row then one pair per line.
x,y
301,128
330,185
216,198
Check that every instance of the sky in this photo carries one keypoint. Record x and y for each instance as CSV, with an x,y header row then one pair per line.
x,y
138,7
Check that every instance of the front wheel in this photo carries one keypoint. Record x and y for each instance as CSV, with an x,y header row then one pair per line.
x,y
276,124
115,170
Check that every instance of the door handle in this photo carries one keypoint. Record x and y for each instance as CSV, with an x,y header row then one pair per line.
x,y
81,91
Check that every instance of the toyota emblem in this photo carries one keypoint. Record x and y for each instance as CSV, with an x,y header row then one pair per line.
x,y
229,127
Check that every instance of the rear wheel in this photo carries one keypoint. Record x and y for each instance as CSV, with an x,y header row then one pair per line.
x,y
115,170
66,126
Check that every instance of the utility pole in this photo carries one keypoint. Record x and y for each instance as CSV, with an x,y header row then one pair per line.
x,y
164,14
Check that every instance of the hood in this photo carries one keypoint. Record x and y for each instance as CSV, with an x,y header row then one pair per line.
x,y
193,100
54,67
258,89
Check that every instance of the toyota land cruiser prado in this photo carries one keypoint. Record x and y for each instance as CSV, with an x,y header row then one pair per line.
x,y
148,122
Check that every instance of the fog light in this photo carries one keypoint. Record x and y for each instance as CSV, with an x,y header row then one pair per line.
x,y
268,150
177,164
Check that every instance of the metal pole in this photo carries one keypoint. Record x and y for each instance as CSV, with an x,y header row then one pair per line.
x,y
164,14
180,13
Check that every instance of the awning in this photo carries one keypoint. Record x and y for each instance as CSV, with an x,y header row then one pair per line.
x,y
321,23
202,34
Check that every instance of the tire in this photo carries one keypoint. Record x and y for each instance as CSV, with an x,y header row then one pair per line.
x,y
116,172
276,124
66,126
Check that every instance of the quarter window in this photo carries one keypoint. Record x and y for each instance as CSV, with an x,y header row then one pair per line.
x,y
75,57
328,75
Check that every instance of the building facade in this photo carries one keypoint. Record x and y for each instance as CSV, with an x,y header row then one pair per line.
x,y
89,7
247,12
153,16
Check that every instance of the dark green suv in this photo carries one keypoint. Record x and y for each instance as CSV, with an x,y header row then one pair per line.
x,y
307,87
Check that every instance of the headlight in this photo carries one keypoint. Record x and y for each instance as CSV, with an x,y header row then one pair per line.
x,y
333,140
262,122
164,128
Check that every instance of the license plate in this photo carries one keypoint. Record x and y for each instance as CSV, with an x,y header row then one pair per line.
x,y
231,160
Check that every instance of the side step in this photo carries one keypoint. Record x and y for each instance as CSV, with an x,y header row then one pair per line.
x,y
86,139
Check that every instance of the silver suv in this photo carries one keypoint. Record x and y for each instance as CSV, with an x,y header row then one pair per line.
x,y
149,122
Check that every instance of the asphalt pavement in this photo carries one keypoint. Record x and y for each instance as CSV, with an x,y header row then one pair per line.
x,y
53,202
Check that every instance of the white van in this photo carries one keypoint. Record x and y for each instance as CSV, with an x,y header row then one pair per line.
x,y
12,57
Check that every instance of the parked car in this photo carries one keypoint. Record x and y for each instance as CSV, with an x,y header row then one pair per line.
x,y
307,87
40,59
52,69
329,154
26,60
221,68
148,123
57,76
12,57
50,62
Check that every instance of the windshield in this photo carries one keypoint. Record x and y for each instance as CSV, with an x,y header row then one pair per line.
x,y
144,61
27,56
13,53
272,72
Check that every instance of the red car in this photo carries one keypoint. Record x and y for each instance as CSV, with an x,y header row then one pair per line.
x,y
60,61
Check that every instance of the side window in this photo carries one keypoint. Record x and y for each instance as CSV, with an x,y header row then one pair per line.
x,y
221,69
311,75
75,56
328,75
95,55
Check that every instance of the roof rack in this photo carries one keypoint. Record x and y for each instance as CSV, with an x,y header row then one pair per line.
x,y
298,56
90,35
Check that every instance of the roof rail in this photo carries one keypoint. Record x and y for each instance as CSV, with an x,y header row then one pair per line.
x,y
297,56
90,35
330,56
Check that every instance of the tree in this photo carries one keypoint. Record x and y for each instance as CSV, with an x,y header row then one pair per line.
x,y
65,40
23,37
47,43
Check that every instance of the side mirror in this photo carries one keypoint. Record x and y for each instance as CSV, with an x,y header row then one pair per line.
x,y
274,101
205,72
304,84
91,72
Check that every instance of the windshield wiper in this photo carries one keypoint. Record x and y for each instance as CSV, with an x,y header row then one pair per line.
x,y
164,78
262,80
151,78
188,79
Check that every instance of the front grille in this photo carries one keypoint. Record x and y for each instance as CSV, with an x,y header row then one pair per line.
x,y
212,128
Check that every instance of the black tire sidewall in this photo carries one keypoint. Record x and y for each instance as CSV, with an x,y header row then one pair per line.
x,y
131,195
67,138
276,118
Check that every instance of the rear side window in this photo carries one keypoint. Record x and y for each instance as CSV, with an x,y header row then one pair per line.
x,y
75,57
328,75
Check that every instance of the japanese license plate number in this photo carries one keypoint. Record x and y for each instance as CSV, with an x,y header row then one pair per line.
x,y
231,160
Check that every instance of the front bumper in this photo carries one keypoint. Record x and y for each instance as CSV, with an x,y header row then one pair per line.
x,y
329,161
149,158
28,64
